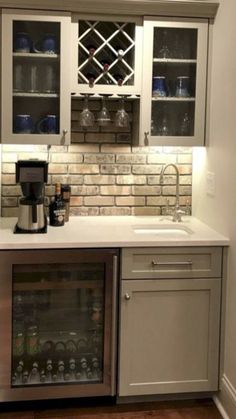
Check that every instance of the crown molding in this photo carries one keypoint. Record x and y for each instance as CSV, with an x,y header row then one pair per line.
x,y
178,8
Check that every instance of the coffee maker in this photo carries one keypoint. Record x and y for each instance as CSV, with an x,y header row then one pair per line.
x,y
31,174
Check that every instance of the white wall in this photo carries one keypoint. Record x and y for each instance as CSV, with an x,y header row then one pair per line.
x,y
219,157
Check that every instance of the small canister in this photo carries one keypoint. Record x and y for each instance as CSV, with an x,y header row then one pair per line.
x,y
65,191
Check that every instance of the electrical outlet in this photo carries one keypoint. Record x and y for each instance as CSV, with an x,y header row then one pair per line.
x,y
210,183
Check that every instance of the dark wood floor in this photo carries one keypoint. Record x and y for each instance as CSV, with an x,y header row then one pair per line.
x,y
198,409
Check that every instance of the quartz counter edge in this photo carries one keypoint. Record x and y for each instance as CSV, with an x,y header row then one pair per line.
x,y
108,231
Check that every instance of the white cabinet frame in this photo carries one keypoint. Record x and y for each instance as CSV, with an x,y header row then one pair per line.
x,y
7,135
197,139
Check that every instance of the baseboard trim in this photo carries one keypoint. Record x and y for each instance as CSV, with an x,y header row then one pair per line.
x,y
225,400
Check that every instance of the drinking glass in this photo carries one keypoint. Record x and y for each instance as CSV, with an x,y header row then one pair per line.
x,y
122,117
103,118
86,117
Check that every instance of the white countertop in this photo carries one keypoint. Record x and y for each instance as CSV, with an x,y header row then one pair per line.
x,y
113,231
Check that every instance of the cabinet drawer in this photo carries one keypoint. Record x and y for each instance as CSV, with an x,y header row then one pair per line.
x,y
171,262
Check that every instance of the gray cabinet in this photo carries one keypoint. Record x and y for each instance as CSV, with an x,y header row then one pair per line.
x,y
169,330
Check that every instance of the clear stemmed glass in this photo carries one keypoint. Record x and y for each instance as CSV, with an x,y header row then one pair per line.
x,y
103,118
122,117
86,117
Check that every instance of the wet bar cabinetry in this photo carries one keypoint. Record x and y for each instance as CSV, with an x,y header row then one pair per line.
x,y
170,304
173,100
158,63
59,328
35,92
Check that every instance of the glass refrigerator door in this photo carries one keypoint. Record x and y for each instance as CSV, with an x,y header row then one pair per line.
x,y
36,77
58,324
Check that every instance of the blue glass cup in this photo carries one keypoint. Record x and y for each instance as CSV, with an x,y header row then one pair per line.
x,y
47,125
159,86
23,124
46,45
182,86
22,42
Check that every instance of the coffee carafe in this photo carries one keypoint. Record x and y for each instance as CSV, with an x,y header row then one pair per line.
x,y
32,175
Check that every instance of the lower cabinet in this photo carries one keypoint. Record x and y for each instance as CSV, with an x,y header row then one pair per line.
x,y
169,328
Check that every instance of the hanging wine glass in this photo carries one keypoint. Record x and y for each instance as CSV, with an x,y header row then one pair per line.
x,y
122,117
86,117
103,118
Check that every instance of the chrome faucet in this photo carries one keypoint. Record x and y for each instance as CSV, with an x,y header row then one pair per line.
x,y
177,213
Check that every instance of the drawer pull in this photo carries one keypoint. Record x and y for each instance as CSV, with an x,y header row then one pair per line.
x,y
127,296
185,263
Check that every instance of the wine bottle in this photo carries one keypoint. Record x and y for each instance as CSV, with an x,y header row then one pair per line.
x,y
106,65
49,368
91,78
91,49
57,209
119,78
34,376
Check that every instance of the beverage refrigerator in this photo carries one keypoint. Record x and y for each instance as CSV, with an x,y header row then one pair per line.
x,y
58,323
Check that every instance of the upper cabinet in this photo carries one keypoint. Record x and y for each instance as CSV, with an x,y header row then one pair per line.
x,y
173,99
107,54
35,77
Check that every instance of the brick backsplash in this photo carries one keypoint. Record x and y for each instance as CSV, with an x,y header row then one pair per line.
x,y
108,175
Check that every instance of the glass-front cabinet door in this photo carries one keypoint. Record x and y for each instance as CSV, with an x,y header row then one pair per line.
x,y
35,78
173,96
107,54
62,329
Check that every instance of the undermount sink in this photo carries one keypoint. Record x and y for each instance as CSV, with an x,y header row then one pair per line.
x,y
164,230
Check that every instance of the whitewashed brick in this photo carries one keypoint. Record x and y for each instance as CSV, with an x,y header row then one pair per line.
x,y
10,212
130,201
115,169
131,159
160,200
115,190
83,148
130,180
124,148
83,168
99,158
84,211
68,179
9,202
115,211
99,180
66,158
8,168
99,201
57,168
146,190
146,211
146,169
8,179
84,190
77,137
100,137
161,158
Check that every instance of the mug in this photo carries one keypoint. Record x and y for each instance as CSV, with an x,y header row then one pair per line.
x,y
47,45
22,42
23,124
159,86
182,86
48,125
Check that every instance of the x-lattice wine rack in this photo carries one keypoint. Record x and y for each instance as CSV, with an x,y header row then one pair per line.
x,y
107,60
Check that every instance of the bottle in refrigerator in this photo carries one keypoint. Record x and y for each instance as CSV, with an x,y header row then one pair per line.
x,y
34,376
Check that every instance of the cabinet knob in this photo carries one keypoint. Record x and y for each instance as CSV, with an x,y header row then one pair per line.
x,y
127,296
65,131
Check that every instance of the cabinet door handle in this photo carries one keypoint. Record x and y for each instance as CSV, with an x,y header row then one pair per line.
x,y
127,296
146,141
65,131
184,263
